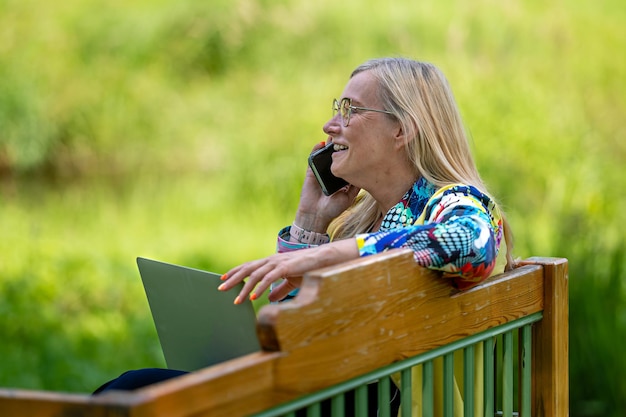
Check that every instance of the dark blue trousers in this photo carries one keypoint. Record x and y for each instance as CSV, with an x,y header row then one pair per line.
x,y
131,380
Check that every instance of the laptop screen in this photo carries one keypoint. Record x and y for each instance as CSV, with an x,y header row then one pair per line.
x,y
197,325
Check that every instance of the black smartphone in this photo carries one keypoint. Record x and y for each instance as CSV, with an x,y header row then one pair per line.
x,y
320,162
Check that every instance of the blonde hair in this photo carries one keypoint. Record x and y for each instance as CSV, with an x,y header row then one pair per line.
x,y
420,98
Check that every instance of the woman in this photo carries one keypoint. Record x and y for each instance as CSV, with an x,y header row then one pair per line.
x,y
400,144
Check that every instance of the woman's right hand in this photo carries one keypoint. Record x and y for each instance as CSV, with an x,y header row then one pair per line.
x,y
316,210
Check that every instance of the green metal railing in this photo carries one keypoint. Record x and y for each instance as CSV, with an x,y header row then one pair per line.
x,y
506,384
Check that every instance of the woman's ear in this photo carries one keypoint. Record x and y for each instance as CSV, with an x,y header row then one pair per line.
x,y
400,137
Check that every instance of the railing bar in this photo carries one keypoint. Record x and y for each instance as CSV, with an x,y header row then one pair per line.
x,y
468,381
384,392
399,366
406,387
526,356
428,390
488,362
314,410
507,375
516,370
448,385
337,405
360,400
498,374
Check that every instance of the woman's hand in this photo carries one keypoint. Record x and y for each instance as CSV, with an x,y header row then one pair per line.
x,y
288,265
316,210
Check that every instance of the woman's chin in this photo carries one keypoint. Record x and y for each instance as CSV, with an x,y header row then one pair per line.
x,y
336,173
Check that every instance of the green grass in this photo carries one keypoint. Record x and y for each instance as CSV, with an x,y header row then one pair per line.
x,y
179,130
73,308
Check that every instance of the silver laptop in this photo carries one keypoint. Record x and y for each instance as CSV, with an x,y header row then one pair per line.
x,y
197,325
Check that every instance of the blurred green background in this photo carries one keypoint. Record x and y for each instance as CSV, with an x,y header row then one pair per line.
x,y
179,130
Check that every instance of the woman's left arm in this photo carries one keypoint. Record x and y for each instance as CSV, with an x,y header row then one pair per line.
x,y
460,236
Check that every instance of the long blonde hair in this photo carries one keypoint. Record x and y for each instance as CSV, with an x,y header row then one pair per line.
x,y
420,98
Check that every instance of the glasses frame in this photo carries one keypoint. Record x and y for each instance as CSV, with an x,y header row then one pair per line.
x,y
339,107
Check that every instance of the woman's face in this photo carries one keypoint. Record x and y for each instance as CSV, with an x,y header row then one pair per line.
x,y
367,148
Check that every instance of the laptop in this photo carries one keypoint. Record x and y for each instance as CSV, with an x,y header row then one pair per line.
x,y
197,325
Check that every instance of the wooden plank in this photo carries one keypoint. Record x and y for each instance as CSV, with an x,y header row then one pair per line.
x,y
550,368
375,311
16,403
214,391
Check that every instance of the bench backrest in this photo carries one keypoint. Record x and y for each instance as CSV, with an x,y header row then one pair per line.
x,y
349,320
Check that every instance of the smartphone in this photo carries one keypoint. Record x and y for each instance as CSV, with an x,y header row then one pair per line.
x,y
320,162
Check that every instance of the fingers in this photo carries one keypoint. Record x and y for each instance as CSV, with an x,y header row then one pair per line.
x,y
232,278
261,274
258,281
281,291
284,288
318,145
352,191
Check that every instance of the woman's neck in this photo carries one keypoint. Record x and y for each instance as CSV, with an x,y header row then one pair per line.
x,y
388,196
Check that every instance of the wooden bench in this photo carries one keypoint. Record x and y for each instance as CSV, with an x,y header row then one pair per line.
x,y
350,320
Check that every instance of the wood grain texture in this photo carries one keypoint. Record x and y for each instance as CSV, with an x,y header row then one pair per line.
x,y
347,320
368,314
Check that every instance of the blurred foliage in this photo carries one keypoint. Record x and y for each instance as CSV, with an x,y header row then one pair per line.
x,y
178,130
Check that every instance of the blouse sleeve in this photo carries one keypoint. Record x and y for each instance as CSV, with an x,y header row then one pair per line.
x,y
283,244
460,236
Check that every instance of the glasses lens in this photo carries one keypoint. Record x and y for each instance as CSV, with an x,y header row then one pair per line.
x,y
345,110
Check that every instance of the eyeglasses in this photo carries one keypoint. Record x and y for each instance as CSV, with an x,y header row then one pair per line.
x,y
345,107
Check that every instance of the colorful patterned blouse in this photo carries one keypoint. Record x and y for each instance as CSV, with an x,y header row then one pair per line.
x,y
456,229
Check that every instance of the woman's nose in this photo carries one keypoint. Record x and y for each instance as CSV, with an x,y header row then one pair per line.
x,y
332,126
